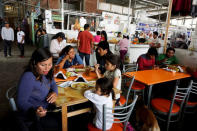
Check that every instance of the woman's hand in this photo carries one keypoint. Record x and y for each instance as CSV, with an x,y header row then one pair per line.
x,y
52,97
66,57
41,112
155,67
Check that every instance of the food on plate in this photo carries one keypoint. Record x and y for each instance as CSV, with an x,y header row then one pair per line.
x,y
79,86
79,70
92,83
172,67
68,74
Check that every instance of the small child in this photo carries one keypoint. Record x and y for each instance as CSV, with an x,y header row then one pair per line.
x,y
113,73
102,95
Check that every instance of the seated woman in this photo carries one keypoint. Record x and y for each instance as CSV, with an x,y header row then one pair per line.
x,y
147,61
68,58
168,58
37,90
58,42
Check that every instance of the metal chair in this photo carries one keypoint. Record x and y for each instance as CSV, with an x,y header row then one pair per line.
x,y
130,67
10,95
191,106
137,86
167,110
124,101
118,118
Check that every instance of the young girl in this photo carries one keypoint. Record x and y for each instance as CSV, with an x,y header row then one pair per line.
x,y
102,95
112,72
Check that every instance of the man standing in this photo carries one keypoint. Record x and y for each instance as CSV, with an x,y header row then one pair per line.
x,y
85,44
20,41
154,42
7,34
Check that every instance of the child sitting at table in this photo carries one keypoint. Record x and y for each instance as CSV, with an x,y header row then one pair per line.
x,y
68,58
113,73
102,95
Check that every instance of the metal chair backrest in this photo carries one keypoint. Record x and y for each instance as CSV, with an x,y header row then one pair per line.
x,y
129,90
193,89
10,94
180,94
122,117
130,67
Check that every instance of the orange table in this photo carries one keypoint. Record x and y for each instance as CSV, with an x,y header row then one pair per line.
x,y
69,97
151,77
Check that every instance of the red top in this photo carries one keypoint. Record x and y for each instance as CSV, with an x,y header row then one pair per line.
x,y
102,38
85,38
194,74
145,63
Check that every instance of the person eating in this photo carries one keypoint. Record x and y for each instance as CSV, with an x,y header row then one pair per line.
x,y
168,58
68,58
147,61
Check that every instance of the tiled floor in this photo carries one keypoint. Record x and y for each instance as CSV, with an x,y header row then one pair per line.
x,y
10,71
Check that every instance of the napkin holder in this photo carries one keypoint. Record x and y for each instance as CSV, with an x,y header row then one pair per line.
x,y
80,78
60,75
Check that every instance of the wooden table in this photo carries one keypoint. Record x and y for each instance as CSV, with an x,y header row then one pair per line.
x,y
151,77
69,97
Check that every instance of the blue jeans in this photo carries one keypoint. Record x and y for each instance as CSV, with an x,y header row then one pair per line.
x,y
87,57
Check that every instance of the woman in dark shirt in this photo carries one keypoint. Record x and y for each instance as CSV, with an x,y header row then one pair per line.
x,y
37,90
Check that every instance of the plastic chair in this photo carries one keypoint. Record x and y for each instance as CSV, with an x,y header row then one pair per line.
x,y
10,94
167,110
191,106
137,86
118,118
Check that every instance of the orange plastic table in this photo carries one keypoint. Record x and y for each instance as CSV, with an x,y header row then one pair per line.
x,y
69,97
151,77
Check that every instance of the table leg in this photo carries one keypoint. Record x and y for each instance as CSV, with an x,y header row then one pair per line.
x,y
149,95
64,118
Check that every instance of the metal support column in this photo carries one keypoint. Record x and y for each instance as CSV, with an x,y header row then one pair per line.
x,y
129,16
1,9
62,13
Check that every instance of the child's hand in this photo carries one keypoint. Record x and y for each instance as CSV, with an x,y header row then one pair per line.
x,y
96,67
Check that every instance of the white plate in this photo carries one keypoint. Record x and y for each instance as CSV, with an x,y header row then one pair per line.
x,y
65,84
